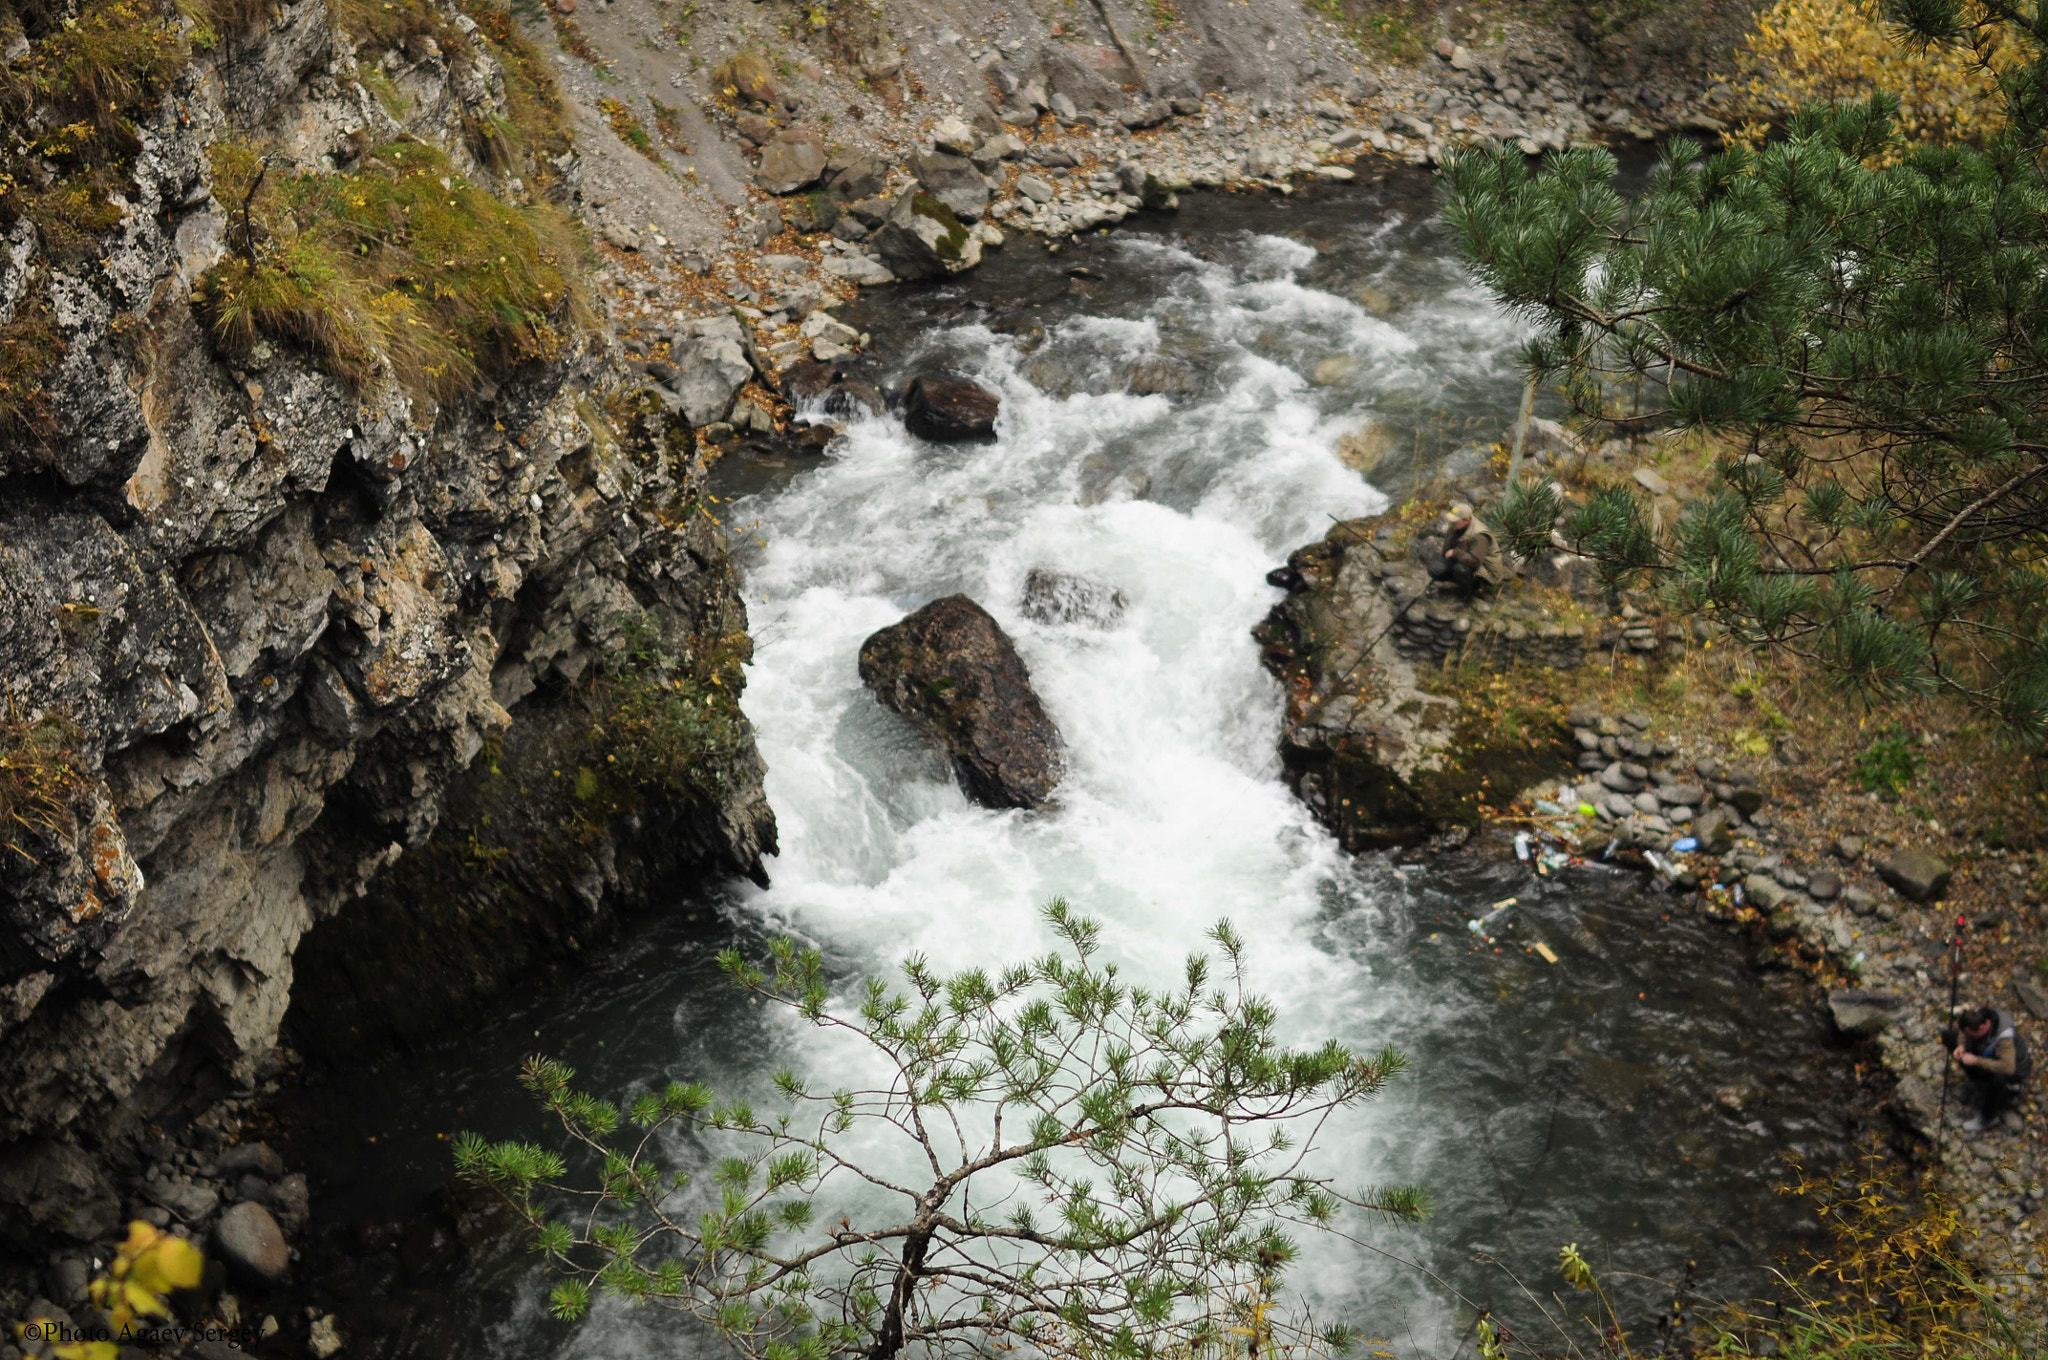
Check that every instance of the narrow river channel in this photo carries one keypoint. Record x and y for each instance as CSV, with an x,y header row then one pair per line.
x,y
1639,1097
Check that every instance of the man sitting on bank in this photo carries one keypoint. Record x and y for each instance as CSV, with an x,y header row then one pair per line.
x,y
1471,558
1994,1057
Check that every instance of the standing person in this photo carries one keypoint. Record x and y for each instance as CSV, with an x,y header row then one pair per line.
x,y
1993,1055
1470,558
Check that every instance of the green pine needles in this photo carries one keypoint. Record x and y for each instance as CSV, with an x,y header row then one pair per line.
x,y
1047,1157
1864,323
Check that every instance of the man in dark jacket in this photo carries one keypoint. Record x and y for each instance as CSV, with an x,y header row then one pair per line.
x,y
1993,1055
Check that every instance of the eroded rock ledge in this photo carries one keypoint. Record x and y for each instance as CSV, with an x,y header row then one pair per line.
x,y
1378,756
256,625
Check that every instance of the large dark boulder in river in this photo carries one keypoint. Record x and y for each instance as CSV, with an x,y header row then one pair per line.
x,y
951,669
949,410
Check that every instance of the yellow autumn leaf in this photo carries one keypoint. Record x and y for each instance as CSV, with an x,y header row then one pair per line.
x,y
172,1263
87,1350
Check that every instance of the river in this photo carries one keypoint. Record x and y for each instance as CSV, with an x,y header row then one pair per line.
x,y
1637,1097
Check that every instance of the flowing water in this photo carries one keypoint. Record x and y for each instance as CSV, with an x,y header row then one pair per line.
x,y
1635,1097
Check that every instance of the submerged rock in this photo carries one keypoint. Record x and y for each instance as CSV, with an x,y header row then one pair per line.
x,y
952,670
1056,597
949,410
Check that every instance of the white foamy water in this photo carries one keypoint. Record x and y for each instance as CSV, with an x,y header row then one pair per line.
x,y
1170,815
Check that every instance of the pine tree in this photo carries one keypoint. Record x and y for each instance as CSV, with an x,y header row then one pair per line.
x,y
1066,1163
1863,322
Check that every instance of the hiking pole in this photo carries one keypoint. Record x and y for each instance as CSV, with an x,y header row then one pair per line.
x,y
1955,976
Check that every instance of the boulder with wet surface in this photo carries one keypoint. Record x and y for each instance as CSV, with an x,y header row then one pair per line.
x,y
948,409
952,670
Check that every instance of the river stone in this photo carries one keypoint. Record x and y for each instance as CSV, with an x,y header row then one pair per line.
x,y
812,212
1682,795
249,1241
949,410
790,162
1004,146
2032,997
1056,597
954,181
955,135
1034,188
709,358
258,1158
922,239
1849,848
1160,376
1765,892
290,1200
1859,899
323,1339
951,669
1616,776
1917,875
1860,1013
1747,798
1824,887
190,1203
863,177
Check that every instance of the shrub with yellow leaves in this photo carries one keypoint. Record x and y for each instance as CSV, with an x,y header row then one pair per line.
x,y
1807,51
146,1269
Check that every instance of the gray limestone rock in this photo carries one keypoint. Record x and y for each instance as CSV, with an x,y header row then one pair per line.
x,y
1861,1013
709,356
1915,874
792,161
954,181
257,1158
923,239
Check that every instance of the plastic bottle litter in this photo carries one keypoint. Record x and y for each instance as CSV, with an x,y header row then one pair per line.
x,y
1548,808
1685,845
1478,924
1522,846
1544,950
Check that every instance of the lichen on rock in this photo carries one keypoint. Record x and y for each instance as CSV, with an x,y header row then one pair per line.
x,y
272,595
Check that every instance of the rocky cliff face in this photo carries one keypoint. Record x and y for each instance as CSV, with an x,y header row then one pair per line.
x,y
256,620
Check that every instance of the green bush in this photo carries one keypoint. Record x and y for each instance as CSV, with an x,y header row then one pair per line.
x,y
670,726
1889,763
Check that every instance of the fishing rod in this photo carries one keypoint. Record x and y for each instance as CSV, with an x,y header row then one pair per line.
x,y
1955,976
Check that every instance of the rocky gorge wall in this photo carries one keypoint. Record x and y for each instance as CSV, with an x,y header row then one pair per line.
x,y
257,621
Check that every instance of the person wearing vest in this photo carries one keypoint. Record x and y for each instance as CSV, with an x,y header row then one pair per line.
x,y
1993,1055
1470,558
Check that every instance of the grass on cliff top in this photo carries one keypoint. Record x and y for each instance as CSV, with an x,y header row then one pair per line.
x,y
100,65
401,267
